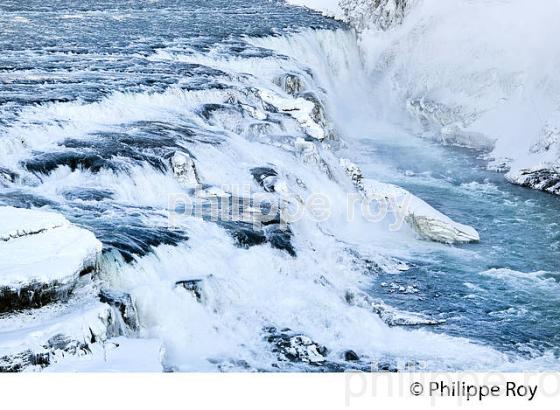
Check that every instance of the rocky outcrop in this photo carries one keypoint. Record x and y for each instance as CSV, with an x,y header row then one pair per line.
x,y
303,110
291,83
270,181
293,347
428,222
48,308
123,304
382,14
542,178
54,332
193,286
42,257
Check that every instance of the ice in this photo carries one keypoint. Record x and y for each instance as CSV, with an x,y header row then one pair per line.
x,y
116,355
43,247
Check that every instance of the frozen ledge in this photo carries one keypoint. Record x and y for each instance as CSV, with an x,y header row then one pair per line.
x,y
427,221
42,255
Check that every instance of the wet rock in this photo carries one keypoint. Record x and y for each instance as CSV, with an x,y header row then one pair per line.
x,y
33,295
385,366
318,112
247,235
244,234
280,237
45,163
131,234
295,347
19,361
193,286
353,171
269,180
124,304
7,176
265,177
351,356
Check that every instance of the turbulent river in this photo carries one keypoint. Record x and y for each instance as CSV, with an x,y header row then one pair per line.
x,y
101,105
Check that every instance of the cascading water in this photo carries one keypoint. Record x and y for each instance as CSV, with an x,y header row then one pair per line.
x,y
268,110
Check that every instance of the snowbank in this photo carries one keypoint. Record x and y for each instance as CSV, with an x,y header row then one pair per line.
x,y
41,253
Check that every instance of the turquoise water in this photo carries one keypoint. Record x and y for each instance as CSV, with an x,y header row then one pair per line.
x,y
503,291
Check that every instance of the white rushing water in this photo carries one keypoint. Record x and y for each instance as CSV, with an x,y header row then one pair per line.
x,y
246,290
268,112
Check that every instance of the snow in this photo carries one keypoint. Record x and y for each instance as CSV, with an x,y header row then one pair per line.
x,y
298,108
78,323
329,8
428,222
42,247
116,355
16,222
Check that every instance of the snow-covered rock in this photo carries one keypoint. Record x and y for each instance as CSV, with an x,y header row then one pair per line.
x,y
428,222
18,222
184,169
42,255
295,347
382,14
353,171
542,177
268,178
292,84
49,334
124,305
303,110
